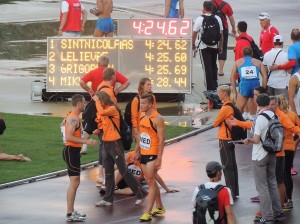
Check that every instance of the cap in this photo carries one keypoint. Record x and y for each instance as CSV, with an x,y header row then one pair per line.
x,y
278,39
213,166
264,15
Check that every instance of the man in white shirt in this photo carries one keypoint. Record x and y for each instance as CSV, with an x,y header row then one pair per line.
x,y
278,80
263,164
209,49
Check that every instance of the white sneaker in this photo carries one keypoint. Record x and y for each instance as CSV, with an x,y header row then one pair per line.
x,y
83,149
103,203
140,201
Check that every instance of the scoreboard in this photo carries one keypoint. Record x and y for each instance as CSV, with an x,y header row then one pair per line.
x,y
146,51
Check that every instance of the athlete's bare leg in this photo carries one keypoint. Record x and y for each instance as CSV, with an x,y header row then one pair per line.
x,y
154,193
241,102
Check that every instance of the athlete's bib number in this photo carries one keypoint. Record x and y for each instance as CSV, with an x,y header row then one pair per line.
x,y
135,170
249,72
145,141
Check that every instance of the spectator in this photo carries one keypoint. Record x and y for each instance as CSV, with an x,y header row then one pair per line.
x,y
249,69
72,18
293,55
294,94
174,9
267,33
277,80
104,26
264,167
226,11
209,52
227,153
225,202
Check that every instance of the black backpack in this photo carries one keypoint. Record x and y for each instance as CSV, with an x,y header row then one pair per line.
x,y
2,126
211,33
124,132
217,10
207,205
237,133
127,113
257,53
89,116
273,142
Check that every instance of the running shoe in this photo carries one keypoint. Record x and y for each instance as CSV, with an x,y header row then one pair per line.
x,y
263,221
158,211
146,217
75,217
279,217
293,171
103,203
79,214
100,182
287,206
255,199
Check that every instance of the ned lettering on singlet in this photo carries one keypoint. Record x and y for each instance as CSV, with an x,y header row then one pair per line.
x,y
150,148
104,25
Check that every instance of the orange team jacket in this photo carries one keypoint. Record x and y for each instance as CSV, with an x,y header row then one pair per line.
x,y
289,143
111,93
226,112
109,132
136,113
148,135
77,133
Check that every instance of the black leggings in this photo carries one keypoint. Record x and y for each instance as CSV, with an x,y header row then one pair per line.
x,y
228,160
288,180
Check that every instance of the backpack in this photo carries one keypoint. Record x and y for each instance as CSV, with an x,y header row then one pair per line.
x,y
257,53
206,209
218,11
237,133
127,113
89,115
211,33
2,126
274,138
124,132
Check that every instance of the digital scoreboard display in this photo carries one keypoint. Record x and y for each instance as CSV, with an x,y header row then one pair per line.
x,y
155,27
167,62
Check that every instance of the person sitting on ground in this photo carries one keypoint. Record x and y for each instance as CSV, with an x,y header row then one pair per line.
x,y
7,157
135,167
225,202
20,157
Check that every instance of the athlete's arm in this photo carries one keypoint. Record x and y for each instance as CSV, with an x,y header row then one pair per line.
x,y
84,18
100,6
181,9
232,78
159,124
230,215
293,83
71,124
167,8
161,182
264,75
232,23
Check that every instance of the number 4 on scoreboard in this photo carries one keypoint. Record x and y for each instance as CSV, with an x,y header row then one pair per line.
x,y
180,81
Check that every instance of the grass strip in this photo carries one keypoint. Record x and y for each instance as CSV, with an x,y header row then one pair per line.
x,y
39,138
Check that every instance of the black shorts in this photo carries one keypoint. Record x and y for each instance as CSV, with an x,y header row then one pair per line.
x,y
71,156
279,171
122,184
147,158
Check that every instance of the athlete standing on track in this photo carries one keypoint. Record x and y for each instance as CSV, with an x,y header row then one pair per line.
x,y
150,147
71,153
